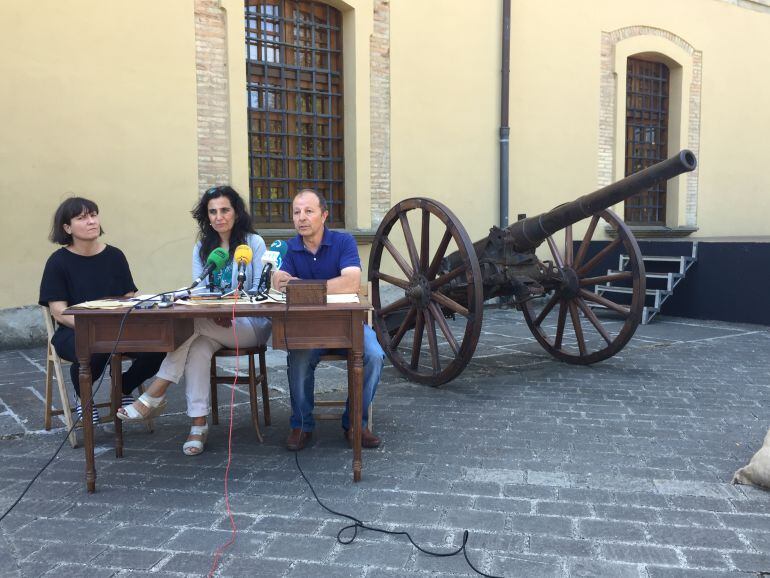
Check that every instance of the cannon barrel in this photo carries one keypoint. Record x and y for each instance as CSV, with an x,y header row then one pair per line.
x,y
529,233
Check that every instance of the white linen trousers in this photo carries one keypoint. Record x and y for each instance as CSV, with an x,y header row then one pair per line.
x,y
193,358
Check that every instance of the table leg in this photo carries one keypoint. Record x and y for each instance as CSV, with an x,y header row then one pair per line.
x,y
355,390
116,397
84,376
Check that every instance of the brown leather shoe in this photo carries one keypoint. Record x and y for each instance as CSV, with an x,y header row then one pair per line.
x,y
297,439
368,439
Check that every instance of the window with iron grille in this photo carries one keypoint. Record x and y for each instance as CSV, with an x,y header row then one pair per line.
x,y
294,83
647,86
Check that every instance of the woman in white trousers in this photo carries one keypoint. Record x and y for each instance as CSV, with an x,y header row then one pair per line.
x,y
223,222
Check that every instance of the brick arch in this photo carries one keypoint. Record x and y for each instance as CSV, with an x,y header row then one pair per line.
x,y
609,115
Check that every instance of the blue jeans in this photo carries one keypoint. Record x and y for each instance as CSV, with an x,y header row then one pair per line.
x,y
301,372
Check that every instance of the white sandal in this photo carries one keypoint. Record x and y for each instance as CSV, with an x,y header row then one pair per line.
x,y
195,447
156,406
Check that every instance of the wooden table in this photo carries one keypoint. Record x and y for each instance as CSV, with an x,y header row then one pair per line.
x,y
337,326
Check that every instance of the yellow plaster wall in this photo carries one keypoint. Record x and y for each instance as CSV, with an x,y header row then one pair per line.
x,y
98,99
445,103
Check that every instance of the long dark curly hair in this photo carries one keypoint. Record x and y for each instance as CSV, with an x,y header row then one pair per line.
x,y
208,237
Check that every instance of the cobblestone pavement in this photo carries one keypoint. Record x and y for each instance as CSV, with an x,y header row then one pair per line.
x,y
619,469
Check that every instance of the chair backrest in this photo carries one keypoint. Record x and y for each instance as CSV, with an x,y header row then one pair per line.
x,y
48,319
364,291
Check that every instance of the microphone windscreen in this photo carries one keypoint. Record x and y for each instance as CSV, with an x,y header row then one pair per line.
x,y
218,257
243,254
281,248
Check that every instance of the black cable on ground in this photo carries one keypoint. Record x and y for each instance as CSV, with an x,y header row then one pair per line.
x,y
358,523
89,404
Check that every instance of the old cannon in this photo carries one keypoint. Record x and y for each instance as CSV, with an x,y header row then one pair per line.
x,y
430,327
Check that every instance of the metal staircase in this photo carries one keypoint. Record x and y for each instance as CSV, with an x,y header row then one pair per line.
x,y
663,273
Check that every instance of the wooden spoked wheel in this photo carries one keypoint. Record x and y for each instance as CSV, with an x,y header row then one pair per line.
x,y
427,335
565,321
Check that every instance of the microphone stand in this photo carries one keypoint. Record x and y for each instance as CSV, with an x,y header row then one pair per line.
x,y
264,283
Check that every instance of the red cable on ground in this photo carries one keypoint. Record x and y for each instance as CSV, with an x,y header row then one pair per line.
x,y
231,541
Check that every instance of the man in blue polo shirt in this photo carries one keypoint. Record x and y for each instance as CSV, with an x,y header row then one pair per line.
x,y
319,253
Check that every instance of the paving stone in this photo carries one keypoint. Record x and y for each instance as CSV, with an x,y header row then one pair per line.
x,y
305,548
80,570
529,492
705,558
550,525
56,553
640,554
586,496
445,566
236,567
474,519
31,569
628,513
611,530
658,572
751,562
563,547
197,540
375,553
602,569
530,566
759,541
389,573
69,531
313,570
694,537
745,521
563,509
700,503
509,505
404,515
19,549
190,563
705,490
138,536
132,559
689,518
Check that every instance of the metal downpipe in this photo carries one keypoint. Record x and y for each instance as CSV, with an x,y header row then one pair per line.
x,y
504,128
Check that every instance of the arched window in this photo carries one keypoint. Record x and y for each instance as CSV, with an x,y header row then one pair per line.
x,y
647,106
294,76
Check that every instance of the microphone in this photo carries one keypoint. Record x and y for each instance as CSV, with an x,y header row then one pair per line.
x,y
281,248
216,260
243,256
272,259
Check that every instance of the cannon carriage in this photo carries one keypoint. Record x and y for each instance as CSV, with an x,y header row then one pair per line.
x,y
431,329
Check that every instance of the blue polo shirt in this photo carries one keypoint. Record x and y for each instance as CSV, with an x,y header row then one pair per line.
x,y
336,252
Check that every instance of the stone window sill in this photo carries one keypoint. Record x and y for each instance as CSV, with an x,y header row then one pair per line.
x,y
655,232
362,236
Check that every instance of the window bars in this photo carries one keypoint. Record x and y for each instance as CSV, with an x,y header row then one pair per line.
x,y
647,87
294,83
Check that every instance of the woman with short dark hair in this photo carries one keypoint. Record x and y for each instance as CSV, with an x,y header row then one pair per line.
x,y
85,269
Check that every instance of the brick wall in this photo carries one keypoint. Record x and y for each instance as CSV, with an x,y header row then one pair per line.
x,y
379,58
212,96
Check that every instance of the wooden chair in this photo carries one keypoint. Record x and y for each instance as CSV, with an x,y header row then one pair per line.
x,y
252,379
53,369
364,291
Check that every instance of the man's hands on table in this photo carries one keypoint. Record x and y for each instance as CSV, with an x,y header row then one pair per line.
x,y
280,280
